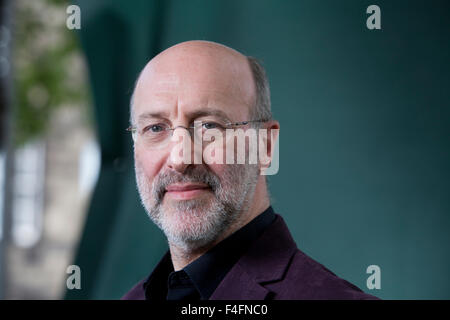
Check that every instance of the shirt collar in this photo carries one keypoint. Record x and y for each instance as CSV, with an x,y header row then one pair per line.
x,y
155,287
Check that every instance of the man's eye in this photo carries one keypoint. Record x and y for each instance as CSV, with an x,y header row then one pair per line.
x,y
211,125
154,128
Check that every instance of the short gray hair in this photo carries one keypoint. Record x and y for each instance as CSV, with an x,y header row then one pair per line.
x,y
261,109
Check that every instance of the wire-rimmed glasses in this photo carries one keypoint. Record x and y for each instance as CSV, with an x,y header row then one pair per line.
x,y
158,134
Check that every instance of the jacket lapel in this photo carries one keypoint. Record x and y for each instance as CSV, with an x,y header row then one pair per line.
x,y
239,285
266,261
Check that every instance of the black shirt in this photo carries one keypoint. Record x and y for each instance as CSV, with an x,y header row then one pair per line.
x,y
199,279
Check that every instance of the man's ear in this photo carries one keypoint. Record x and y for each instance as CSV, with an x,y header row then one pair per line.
x,y
269,148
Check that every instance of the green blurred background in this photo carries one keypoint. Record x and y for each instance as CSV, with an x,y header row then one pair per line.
x,y
364,144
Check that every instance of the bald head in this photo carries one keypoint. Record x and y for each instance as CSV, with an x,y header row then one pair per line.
x,y
203,67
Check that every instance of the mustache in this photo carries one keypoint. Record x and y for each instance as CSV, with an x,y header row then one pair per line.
x,y
191,174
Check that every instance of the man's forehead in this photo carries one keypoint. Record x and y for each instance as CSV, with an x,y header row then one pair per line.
x,y
165,103
200,76
173,87
162,82
169,88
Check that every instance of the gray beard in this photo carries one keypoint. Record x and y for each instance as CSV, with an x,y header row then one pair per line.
x,y
193,224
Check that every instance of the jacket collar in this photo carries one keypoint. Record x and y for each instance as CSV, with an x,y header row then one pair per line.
x,y
266,261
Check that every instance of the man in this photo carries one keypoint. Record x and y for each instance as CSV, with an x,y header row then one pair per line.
x,y
225,241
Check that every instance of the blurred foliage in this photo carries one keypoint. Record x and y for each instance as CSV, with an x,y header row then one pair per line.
x,y
49,70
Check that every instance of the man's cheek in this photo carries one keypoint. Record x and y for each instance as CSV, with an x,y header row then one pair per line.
x,y
147,164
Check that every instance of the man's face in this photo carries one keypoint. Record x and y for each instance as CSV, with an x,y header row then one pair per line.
x,y
192,203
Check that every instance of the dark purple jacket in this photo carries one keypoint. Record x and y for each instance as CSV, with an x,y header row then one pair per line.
x,y
273,268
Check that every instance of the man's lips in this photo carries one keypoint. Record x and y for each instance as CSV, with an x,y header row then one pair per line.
x,y
184,191
179,187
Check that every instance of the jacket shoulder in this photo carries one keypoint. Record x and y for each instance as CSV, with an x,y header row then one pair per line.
x,y
306,278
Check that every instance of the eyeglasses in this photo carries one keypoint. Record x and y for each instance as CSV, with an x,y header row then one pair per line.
x,y
157,134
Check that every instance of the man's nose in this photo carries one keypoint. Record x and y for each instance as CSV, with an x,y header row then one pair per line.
x,y
182,150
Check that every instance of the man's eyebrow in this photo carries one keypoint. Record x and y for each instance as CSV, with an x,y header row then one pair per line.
x,y
149,115
211,112
192,115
